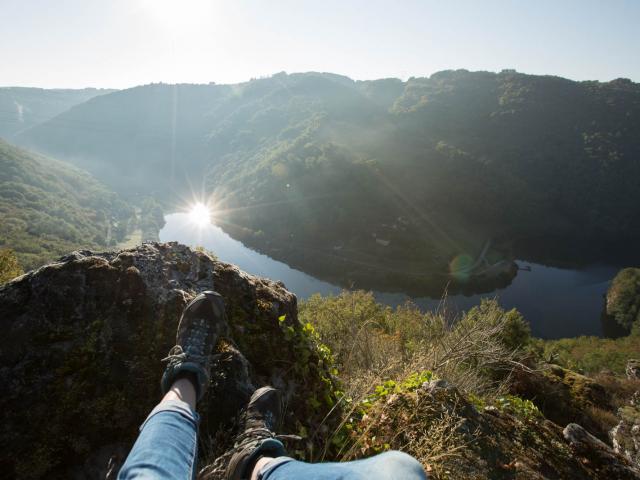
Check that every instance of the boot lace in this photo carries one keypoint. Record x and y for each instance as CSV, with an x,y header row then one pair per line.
x,y
178,355
251,437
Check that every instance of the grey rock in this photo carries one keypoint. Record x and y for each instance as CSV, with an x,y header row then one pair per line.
x,y
600,456
633,369
81,346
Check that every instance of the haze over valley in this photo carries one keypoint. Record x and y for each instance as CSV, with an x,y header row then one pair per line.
x,y
417,221
422,187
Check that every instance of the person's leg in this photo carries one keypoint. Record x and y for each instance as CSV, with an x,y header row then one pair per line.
x,y
258,453
391,465
167,445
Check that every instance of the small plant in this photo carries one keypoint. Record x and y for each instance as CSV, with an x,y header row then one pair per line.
x,y
519,407
477,401
410,384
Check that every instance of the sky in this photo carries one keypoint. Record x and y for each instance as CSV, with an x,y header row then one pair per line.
x,y
124,43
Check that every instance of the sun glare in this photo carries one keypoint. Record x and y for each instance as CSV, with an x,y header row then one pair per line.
x,y
200,215
178,15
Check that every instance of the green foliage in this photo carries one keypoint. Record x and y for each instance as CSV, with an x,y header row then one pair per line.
x,y
303,341
623,297
590,355
515,331
431,166
48,208
477,401
345,322
524,409
411,383
372,342
9,266
365,335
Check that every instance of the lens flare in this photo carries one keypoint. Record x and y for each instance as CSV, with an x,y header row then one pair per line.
x,y
200,214
460,267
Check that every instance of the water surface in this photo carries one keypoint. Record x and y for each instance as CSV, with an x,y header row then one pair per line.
x,y
557,302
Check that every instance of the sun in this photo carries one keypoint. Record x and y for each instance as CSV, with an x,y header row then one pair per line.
x,y
200,215
178,16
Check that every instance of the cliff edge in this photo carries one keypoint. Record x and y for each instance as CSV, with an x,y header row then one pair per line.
x,y
81,347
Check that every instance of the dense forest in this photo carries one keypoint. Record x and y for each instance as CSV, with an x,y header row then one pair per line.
x,y
405,179
49,208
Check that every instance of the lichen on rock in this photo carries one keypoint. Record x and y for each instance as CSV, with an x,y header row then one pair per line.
x,y
625,436
81,348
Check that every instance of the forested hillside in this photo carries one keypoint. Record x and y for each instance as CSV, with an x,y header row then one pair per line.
x,y
403,177
49,208
22,108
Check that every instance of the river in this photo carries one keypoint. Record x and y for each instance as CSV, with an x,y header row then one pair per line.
x,y
557,302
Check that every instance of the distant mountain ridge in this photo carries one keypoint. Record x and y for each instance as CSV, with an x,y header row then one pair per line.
x,y
388,174
23,107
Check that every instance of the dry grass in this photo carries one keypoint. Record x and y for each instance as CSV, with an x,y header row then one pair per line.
x,y
620,389
374,344
416,424
603,418
591,355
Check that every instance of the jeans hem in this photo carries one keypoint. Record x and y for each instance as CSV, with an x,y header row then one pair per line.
x,y
272,465
177,406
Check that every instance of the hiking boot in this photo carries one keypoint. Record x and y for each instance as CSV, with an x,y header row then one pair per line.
x,y
203,320
258,439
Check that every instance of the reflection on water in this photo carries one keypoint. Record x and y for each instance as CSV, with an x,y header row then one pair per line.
x,y
179,228
557,302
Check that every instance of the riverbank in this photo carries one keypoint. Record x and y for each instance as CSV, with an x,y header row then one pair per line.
x,y
376,268
557,302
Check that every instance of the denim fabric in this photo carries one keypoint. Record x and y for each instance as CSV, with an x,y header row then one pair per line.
x,y
167,445
386,466
166,449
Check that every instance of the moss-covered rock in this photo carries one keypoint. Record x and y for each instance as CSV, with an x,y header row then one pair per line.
x,y
564,396
81,348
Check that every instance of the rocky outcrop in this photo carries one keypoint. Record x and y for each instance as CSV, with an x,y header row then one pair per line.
x,y
79,362
81,346
596,455
563,396
506,440
625,436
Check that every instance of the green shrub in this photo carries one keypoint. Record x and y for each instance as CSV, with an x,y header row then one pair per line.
x,y
373,343
9,266
623,297
515,331
517,406
590,355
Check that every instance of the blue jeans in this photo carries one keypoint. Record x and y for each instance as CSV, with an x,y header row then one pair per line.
x,y
167,449
391,465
